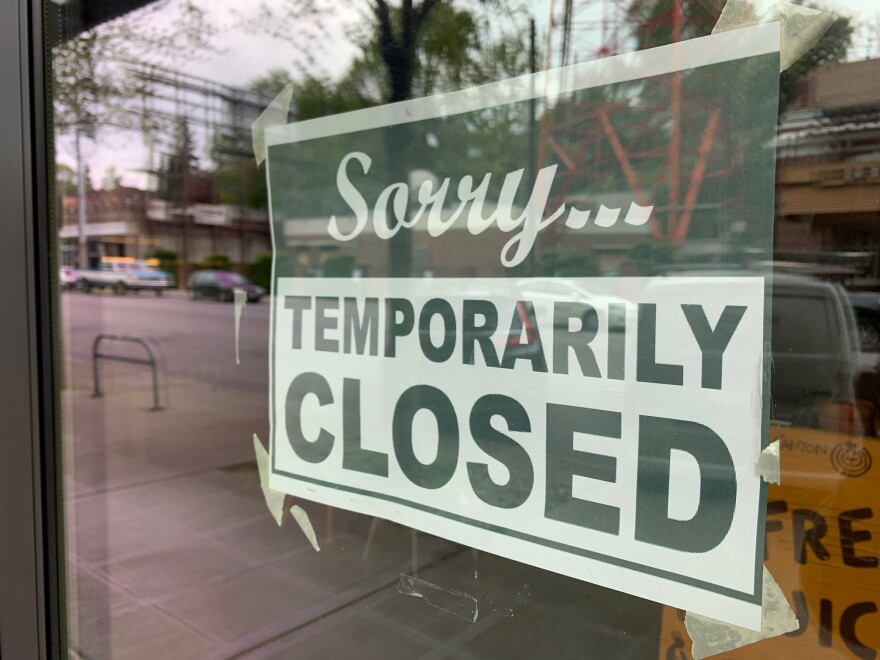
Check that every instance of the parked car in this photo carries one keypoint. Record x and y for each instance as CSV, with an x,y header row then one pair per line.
x,y
816,362
545,292
122,274
866,306
815,352
221,284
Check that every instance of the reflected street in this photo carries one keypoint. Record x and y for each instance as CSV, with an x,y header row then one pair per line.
x,y
174,554
192,339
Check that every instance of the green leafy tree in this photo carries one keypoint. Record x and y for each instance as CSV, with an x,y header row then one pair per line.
x,y
406,44
652,21
260,271
215,261
271,82
460,46
234,176
93,86
168,260
649,258
398,33
318,97
338,265
832,47
553,263
178,166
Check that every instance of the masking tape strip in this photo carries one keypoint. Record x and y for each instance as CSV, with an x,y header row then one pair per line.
x,y
801,27
302,519
275,114
459,604
711,637
240,299
767,466
274,499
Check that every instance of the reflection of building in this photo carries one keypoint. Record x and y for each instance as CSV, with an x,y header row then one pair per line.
x,y
125,222
202,187
113,220
829,163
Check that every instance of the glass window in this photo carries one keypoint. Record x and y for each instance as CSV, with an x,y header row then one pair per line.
x,y
526,306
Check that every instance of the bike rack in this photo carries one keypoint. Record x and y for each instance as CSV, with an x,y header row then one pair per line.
x,y
150,360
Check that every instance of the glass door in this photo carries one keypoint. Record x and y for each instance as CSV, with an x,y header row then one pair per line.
x,y
454,329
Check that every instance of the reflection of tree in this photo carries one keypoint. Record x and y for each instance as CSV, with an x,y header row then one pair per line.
x,y
457,49
90,82
398,32
653,21
236,180
449,40
92,89
649,258
832,47
179,166
175,176
397,46
413,49
562,264
271,83
183,183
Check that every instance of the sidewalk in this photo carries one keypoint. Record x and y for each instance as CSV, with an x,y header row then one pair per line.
x,y
173,554
120,442
172,550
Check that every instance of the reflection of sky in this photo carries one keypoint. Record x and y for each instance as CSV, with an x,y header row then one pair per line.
x,y
243,55
247,55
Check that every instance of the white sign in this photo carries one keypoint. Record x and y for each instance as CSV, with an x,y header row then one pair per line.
x,y
470,197
602,428
605,428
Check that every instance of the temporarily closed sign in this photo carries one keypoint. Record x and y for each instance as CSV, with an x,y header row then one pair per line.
x,y
605,428
612,440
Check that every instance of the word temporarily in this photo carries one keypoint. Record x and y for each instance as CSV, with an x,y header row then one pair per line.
x,y
472,198
597,426
344,324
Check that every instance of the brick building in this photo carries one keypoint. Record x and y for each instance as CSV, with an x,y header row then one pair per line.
x,y
125,221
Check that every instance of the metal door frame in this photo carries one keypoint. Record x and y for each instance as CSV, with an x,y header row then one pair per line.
x,y
31,543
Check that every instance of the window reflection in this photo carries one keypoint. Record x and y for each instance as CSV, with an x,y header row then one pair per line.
x,y
171,552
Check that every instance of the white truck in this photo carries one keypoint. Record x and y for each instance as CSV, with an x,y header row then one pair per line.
x,y
123,275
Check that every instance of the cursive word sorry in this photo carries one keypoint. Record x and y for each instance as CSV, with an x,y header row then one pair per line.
x,y
431,197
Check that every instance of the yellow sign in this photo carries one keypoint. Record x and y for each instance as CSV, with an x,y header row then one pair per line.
x,y
823,548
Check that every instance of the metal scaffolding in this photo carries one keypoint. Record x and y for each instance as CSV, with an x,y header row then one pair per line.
x,y
582,136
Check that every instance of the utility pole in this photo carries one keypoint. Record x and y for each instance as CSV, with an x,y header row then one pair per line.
x,y
532,164
83,246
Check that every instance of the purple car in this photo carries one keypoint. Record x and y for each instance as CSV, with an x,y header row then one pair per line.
x,y
221,284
